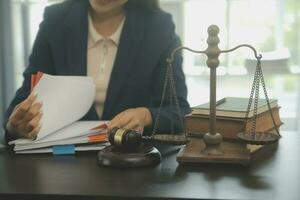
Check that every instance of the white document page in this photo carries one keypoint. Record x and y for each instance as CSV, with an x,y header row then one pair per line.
x,y
65,100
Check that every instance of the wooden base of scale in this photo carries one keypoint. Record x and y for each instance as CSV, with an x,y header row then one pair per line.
x,y
232,153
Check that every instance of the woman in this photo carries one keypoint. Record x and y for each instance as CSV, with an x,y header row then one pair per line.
x,y
122,44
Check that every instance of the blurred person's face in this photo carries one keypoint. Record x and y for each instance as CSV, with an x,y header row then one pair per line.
x,y
107,6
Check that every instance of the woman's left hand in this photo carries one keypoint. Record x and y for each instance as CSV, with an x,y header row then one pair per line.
x,y
134,118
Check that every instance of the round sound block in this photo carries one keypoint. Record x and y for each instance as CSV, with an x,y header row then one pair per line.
x,y
110,156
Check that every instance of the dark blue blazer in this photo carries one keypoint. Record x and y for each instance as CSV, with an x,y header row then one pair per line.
x,y
138,73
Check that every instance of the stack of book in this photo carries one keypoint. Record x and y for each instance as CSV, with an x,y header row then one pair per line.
x,y
231,118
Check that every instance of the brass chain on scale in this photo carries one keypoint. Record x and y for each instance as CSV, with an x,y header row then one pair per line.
x,y
257,137
170,81
169,87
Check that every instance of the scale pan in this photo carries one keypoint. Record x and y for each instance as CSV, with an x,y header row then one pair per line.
x,y
260,138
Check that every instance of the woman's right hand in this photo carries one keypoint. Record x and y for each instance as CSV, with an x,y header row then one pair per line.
x,y
24,122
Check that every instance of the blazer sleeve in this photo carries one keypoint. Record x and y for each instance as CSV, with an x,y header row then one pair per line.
x,y
39,60
168,115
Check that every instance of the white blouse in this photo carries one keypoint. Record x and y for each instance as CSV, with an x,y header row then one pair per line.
x,y
101,56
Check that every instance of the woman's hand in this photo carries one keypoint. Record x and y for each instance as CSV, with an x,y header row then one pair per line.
x,y
134,118
24,120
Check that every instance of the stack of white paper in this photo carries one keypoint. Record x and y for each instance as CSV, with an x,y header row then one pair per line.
x,y
65,99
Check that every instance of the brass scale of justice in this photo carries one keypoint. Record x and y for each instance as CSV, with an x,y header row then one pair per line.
x,y
129,148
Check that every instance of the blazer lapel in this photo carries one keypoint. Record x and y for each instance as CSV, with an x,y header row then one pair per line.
x,y
129,46
76,39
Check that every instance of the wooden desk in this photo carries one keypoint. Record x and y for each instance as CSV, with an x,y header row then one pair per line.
x,y
78,177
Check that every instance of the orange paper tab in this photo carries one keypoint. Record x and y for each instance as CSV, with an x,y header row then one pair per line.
x,y
102,137
35,79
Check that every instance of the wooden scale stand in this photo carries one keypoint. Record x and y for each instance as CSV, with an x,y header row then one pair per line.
x,y
129,148
211,148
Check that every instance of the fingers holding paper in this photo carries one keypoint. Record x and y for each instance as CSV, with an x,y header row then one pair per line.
x,y
25,119
21,109
134,118
33,127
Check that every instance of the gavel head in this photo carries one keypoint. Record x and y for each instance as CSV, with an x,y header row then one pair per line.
x,y
125,139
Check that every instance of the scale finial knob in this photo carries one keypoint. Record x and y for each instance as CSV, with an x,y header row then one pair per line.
x,y
213,50
213,30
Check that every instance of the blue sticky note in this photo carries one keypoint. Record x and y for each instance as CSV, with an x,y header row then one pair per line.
x,y
63,149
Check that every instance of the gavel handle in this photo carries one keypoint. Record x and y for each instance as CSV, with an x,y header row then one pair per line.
x,y
167,139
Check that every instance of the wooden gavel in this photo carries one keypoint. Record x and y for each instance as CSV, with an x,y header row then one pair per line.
x,y
130,140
